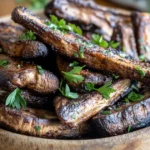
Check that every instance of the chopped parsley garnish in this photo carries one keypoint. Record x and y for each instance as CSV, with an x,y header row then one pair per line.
x,y
73,116
61,25
89,86
73,75
129,129
15,100
81,52
40,70
115,76
106,112
140,71
74,64
114,44
142,57
29,35
135,88
76,55
37,128
65,91
134,97
104,90
98,40
3,63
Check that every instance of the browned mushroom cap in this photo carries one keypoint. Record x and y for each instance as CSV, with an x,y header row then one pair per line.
x,y
22,75
38,122
12,45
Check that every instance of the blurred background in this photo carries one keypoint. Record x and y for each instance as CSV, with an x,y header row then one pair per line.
x,y
6,6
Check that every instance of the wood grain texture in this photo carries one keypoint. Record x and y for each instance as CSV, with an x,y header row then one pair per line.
x,y
138,140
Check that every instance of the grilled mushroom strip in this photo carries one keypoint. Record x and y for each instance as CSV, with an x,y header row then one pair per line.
x,y
12,45
123,34
97,79
130,116
94,56
75,112
88,14
141,23
38,122
22,75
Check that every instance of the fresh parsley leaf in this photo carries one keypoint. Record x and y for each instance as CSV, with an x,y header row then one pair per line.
x,y
3,63
37,128
135,88
76,55
115,76
140,71
81,51
98,40
114,44
74,64
15,100
73,116
129,129
74,28
65,91
105,112
106,90
134,97
73,75
142,57
29,35
40,70
89,86
61,25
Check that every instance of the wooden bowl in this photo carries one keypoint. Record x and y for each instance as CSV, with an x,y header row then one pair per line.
x,y
138,140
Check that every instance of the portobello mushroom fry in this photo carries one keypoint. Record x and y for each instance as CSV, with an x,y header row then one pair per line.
x,y
75,112
95,57
38,122
17,47
90,16
15,74
97,79
127,117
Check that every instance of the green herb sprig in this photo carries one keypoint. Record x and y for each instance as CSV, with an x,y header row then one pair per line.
x,y
99,40
29,35
73,75
40,70
140,71
37,128
3,63
134,97
61,25
105,90
65,91
15,100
